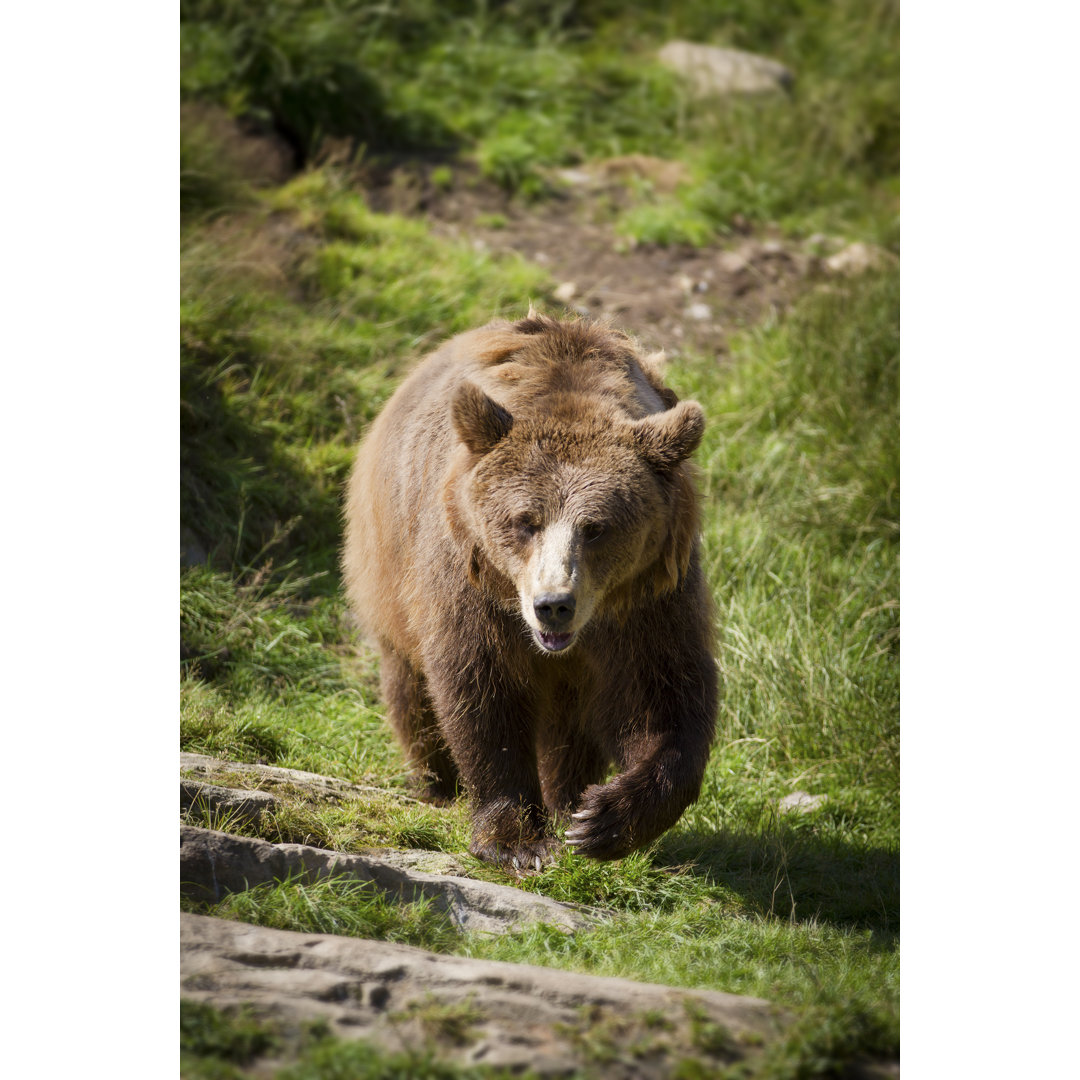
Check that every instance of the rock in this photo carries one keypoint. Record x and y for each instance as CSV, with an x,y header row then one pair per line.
x,y
244,805
712,70
430,862
518,1016
858,258
565,292
801,802
732,262
574,177
200,767
699,312
215,863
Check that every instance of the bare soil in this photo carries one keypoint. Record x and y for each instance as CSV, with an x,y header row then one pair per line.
x,y
673,298
670,297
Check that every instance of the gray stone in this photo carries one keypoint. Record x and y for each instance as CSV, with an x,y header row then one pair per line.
x,y
732,262
236,803
430,862
858,258
801,802
523,1016
215,863
201,767
712,70
574,177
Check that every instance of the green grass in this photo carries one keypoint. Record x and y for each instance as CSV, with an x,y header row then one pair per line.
x,y
295,319
302,308
334,906
524,88
801,536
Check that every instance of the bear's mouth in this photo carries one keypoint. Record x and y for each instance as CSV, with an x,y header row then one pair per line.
x,y
551,642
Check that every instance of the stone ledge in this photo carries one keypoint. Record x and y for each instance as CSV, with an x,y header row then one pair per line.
x,y
520,1016
215,863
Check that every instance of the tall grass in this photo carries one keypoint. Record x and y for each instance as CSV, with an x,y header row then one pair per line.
x,y
802,479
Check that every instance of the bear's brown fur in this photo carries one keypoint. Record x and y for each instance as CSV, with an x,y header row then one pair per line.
x,y
522,545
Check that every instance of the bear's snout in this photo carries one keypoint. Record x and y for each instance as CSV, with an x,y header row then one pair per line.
x,y
555,611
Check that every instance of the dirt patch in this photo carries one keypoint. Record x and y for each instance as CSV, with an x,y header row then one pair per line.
x,y
675,298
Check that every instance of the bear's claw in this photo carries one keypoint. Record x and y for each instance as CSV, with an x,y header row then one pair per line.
x,y
537,865
518,857
604,827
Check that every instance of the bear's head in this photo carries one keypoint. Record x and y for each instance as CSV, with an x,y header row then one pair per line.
x,y
575,509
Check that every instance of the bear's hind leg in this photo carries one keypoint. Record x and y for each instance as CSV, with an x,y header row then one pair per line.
x,y
417,727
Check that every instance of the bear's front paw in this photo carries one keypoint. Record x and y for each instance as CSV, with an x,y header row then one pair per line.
x,y
513,833
603,825
517,856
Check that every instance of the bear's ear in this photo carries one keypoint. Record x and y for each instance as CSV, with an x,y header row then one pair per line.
x,y
668,438
479,421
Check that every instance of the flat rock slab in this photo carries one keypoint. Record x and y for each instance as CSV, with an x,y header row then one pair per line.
x,y
858,258
243,805
715,71
200,767
215,863
801,802
510,1015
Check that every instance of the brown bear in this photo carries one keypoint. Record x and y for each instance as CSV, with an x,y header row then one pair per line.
x,y
522,545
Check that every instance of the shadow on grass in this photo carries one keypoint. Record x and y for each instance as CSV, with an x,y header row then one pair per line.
x,y
239,489
782,872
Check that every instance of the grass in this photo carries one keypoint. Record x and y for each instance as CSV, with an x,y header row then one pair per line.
x,y
335,906
525,88
801,541
295,319
302,308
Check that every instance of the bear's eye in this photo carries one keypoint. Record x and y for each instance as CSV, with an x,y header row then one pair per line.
x,y
526,525
592,531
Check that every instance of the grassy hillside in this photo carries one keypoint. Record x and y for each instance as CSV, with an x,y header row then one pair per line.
x,y
302,307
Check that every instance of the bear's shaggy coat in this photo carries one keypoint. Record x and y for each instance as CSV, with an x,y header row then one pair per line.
x,y
522,545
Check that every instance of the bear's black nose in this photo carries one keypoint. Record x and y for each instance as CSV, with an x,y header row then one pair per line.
x,y
554,610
